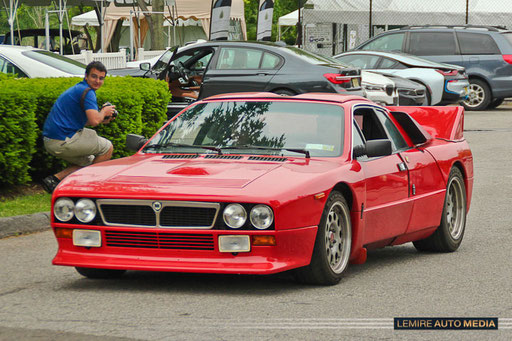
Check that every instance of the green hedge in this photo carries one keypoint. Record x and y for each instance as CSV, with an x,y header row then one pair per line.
x,y
18,134
141,104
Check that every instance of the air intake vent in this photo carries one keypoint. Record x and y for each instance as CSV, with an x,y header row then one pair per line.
x,y
226,157
160,240
180,156
267,158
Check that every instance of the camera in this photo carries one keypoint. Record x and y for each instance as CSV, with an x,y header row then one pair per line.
x,y
114,114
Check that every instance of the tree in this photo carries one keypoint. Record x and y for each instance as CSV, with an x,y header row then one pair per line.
x,y
281,7
155,23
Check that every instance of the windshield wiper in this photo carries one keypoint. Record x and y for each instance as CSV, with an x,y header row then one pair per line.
x,y
174,144
248,146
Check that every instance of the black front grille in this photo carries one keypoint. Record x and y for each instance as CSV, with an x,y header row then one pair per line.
x,y
160,240
176,216
129,214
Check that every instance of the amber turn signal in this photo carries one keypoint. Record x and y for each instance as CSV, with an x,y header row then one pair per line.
x,y
263,240
63,233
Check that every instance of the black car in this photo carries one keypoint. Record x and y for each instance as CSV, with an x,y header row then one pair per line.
x,y
204,69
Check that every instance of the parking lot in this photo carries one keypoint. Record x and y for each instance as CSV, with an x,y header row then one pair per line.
x,y
37,298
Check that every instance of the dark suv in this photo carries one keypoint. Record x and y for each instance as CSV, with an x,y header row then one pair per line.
x,y
485,52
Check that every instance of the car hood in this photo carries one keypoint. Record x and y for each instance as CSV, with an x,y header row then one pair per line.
x,y
146,176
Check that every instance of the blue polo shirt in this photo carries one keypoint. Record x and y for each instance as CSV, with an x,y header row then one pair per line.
x,y
67,116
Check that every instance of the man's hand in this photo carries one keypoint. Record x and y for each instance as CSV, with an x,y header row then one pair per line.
x,y
108,111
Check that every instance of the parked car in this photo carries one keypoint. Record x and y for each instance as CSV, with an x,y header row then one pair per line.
x,y
485,52
389,89
409,92
261,183
30,62
446,84
205,69
379,88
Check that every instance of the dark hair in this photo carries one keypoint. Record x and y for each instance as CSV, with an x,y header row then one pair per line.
x,y
95,65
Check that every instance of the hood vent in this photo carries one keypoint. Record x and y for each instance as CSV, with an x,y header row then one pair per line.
x,y
180,156
225,157
267,158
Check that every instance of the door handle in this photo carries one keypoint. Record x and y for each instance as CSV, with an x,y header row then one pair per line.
x,y
402,166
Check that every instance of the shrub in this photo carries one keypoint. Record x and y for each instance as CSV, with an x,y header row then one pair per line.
x,y
142,106
18,134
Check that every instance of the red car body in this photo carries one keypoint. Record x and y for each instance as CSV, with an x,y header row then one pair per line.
x,y
389,204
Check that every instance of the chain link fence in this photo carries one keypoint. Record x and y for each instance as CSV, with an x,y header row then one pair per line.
x,y
334,26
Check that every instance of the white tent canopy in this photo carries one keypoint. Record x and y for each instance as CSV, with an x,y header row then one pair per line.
x,y
289,19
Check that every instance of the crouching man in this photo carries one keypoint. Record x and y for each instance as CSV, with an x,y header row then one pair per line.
x,y
64,132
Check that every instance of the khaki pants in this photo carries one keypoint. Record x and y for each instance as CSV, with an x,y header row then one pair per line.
x,y
80,149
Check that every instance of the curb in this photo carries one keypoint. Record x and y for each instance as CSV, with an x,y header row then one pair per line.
x,y
21,224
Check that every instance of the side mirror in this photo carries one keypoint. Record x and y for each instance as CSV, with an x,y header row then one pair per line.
x,y
135,142
145,66
378,148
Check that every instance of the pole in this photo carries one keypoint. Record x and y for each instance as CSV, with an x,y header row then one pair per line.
x,y
102,11
12,10
131,36
47,30
467,11
370,20
60,26
299,26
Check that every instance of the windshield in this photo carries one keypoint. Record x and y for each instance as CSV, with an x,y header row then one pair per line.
x,y
162,63
252,127
57,61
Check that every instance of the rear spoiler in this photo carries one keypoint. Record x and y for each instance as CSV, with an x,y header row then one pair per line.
x,y
424,123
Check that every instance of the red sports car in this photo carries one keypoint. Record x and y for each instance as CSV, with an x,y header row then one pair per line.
x,y
262,183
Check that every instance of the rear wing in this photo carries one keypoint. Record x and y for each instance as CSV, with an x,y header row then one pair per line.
x,y
445,123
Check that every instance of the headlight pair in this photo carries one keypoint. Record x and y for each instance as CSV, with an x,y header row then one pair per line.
x,y
65,209
235,216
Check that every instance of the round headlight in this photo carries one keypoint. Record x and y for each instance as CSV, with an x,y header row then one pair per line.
x,y
85,210
235,216
261,217
63,209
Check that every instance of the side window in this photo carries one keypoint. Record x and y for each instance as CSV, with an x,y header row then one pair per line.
x,y
389,42
270,61
239,59
396,138
432,43
387,63
9,68
363,61
475,43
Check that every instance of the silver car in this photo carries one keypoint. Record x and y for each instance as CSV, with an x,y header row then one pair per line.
x,y
445,83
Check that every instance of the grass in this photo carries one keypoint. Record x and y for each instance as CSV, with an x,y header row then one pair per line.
x,y
22,200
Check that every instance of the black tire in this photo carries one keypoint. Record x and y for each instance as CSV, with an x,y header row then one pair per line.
x,y
479,95
450,232
284,92
496,102
100,273
332,244
428,97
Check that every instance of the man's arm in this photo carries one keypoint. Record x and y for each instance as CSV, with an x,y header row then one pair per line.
x,y
95,117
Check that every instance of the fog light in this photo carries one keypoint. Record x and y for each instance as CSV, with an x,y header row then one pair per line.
x,y
234,244
87,238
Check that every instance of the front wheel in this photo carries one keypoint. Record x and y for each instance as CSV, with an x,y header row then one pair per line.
x,y
99,273
332,244
479,96
496,102
448,236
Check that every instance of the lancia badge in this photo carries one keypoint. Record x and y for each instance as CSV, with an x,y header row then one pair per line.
x,y
157,206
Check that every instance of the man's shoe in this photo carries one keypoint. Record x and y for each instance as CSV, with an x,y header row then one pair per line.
x,y
49,183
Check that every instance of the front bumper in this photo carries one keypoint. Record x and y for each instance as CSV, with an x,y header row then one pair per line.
x,y
455,90
293,249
